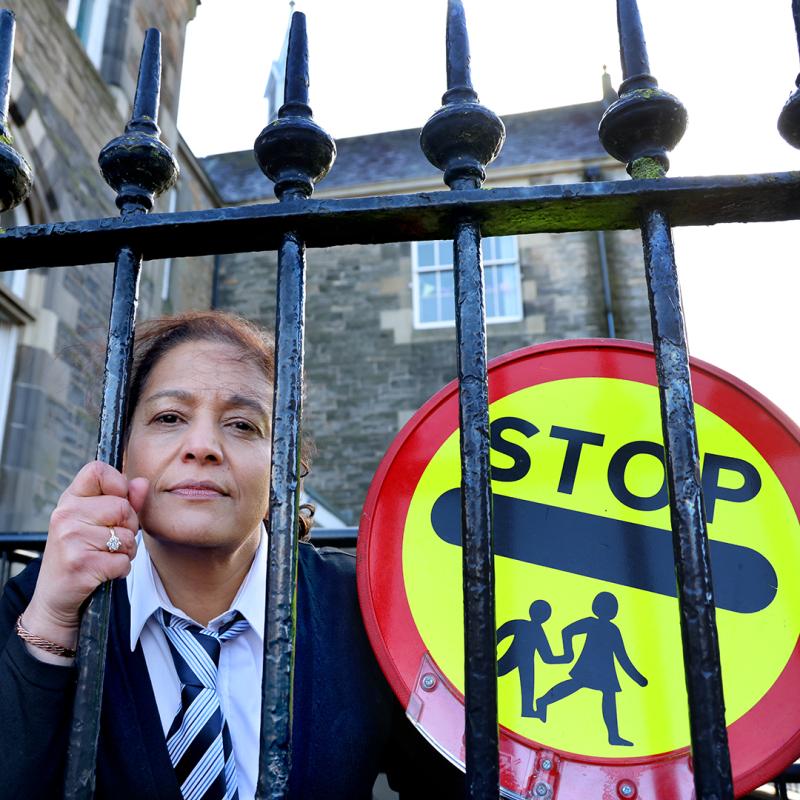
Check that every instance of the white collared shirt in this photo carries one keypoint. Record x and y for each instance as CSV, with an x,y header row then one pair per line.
x,y
241,659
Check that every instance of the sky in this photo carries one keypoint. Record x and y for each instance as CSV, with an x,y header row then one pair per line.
x,y
380,65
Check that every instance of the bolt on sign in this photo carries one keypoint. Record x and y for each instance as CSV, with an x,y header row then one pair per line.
x,y
591,693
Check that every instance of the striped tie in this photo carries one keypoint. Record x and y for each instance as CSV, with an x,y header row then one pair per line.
x,y
198,741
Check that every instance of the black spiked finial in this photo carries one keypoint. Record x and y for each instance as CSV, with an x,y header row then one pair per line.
x,y
645,122
632,47
138,166
459,79
789,119
462,137
15,173
293,151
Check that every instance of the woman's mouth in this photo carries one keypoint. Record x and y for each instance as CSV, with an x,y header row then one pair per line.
x,y
202,490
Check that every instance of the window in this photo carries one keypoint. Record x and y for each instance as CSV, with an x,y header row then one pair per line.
x,y
433,290
88,18
12,315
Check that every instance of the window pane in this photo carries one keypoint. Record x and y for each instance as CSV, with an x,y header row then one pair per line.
x,y
506,248
15,281
490,277
508,291
447,295
428,305
83,25
489,248
425,254
445,253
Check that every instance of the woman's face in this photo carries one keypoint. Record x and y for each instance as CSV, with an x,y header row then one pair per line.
x,y
201,435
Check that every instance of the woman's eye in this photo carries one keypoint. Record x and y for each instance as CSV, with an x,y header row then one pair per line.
x,y
244,426
167,419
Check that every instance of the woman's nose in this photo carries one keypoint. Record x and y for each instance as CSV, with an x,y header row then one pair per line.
x,y
202,444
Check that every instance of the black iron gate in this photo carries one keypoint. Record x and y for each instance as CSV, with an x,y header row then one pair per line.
x,y
461,138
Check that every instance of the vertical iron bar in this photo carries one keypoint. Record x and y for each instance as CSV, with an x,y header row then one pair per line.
x,y
6,65
710,755
276,727
639,129
138,166
480,646
789,118
5,569
460,139
781,791
15,185
79,779
295,153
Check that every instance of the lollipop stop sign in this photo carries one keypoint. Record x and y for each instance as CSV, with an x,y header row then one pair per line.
x,y
591,691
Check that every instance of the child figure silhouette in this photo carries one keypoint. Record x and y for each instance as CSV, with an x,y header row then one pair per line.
x,y
595,668
529,639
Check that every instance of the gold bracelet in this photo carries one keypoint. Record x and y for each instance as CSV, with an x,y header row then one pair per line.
x,y
42,644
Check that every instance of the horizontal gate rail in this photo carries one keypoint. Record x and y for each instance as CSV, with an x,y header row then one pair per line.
x,y
604,205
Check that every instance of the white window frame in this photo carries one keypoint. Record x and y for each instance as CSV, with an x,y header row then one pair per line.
x,y
16,281
96,33
9,332
9,335
417,270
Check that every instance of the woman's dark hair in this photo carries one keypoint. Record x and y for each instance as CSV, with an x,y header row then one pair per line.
x,y
156,337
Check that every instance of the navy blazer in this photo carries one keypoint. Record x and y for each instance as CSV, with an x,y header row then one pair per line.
x,y
347,724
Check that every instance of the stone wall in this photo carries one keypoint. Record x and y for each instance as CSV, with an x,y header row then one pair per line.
x,y
368,370
63,113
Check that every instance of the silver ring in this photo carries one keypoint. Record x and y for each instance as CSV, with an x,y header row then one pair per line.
x,y
113,544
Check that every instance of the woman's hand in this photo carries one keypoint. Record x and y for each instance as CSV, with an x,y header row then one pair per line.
x,y
76,559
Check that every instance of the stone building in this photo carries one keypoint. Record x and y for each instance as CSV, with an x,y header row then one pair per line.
x,y
75,70
380,335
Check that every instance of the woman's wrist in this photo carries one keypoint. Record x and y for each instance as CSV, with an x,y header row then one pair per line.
x,y
46,639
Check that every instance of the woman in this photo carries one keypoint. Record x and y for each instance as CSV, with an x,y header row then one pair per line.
x,y
181,703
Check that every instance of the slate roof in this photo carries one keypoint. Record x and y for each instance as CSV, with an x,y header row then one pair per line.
x,y
555,134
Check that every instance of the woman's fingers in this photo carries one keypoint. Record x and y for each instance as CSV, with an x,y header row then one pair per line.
x,y
74,512
123,541
77,557
137,492
95,479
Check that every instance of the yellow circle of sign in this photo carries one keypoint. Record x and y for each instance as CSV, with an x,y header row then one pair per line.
x,y
755,646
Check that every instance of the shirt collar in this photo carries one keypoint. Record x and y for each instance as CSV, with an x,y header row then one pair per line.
x,y
146,593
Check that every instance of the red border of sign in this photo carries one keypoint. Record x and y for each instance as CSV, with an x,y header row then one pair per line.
x,y
764,740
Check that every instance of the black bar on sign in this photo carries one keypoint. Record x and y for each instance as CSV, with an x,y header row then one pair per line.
x,y
611,550
294,152
710,754
138,167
